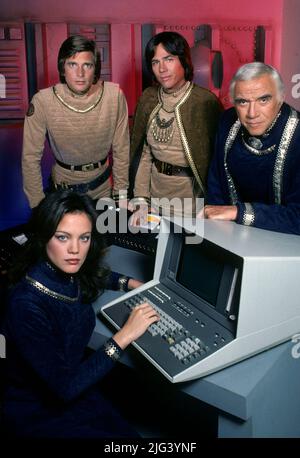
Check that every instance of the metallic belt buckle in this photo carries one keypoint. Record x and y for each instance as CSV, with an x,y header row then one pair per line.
x,y
87,167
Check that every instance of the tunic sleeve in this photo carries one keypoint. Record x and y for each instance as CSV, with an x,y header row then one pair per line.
x,y
275,217
143,176
33,148
120,147
217,190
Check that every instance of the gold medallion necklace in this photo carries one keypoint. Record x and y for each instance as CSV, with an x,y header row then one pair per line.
x,y
162,130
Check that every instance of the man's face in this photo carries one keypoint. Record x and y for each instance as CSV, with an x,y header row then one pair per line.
x,y
257,103
167,69
80,71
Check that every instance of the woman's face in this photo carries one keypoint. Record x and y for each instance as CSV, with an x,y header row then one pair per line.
x,y
68,247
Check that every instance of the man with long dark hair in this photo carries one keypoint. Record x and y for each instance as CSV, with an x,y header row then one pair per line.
x,y
84,119
174,125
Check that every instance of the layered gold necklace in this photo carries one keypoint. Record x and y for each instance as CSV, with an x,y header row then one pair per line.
x,y
163,129
77,110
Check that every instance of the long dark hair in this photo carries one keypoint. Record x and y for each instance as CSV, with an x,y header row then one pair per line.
x,y
73,45
175,44
42,226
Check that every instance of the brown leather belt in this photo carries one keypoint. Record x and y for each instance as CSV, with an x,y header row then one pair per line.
x,y
83,167
170,169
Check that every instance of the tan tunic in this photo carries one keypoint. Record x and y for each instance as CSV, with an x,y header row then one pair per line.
x,y
196,118
76,138
180,190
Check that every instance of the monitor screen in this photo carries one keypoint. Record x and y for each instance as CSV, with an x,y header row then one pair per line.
x,y
206,275
200,272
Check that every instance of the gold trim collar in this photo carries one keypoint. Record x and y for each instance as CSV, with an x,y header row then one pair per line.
x,y
77,110
40,287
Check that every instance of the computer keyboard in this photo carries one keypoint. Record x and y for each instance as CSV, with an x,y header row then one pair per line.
x,y
182,344
181,338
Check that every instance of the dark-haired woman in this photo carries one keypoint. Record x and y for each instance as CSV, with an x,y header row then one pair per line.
x,y
51,383
174,126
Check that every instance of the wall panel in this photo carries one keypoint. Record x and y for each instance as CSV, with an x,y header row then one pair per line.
x,y
13,80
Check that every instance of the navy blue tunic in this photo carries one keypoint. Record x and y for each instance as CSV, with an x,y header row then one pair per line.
x,y
253,176
51,384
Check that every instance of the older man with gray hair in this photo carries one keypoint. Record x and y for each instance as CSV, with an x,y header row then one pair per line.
x,y
254,177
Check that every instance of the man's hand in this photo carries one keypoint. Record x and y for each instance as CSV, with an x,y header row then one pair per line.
x,y
220,212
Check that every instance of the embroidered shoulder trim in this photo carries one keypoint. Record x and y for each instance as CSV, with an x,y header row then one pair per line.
x,y
184,139
39,286
229,141
284,144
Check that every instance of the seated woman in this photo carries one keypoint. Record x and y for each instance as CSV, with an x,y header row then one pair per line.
x,y
51,388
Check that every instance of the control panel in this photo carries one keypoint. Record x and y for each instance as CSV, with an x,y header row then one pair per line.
x,y
182,337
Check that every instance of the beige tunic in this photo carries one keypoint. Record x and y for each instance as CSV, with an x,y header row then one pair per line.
x,y
76,138
180,190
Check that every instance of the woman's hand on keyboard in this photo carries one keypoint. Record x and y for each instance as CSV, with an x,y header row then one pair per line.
x,y
141,317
